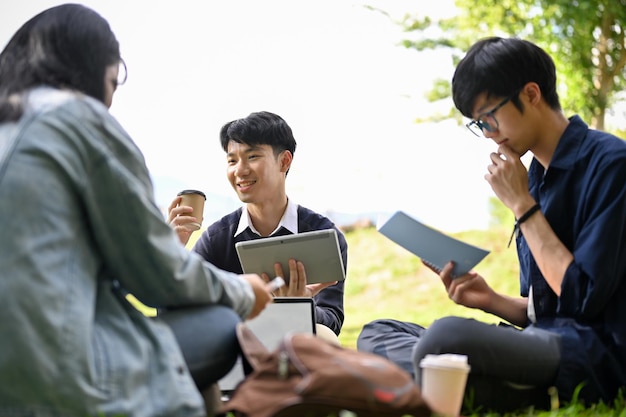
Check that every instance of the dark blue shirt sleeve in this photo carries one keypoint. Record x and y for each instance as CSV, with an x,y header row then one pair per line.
x,y
594,275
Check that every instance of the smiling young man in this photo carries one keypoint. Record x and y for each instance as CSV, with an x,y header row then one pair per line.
x,y
570,205
259,152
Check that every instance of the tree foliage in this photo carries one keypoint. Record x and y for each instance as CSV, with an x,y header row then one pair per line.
x,y
500,215
584,37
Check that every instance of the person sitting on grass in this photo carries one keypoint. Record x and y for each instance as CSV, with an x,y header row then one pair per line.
x,y
259,153
569,328
81,231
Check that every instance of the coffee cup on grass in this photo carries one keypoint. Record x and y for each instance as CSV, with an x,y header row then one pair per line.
x,y
443,382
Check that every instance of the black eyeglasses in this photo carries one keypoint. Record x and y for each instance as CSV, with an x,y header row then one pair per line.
x,y
487,121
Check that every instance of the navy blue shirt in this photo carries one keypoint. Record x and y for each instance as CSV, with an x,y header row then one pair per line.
x,y
217,245
583,197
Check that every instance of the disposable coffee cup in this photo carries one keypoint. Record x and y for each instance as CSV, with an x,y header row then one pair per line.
x,y
194,199
443,382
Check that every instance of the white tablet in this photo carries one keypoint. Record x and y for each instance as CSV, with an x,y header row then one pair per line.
x,y
285,315
318,250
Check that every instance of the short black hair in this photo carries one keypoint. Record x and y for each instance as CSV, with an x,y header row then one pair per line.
x,y
500,67
260,128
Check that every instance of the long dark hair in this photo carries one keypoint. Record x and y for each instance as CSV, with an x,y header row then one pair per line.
x,y
67,46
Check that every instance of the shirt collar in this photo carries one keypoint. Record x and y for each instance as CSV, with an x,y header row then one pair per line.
x,y
289,220
567,150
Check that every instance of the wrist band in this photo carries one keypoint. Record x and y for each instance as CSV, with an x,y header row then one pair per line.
x,y
522,219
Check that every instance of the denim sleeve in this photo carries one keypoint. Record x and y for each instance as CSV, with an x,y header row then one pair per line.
x,y
140,249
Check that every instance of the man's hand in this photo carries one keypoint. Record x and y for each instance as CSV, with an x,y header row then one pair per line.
x,y
296,284
178,220
508,178
469,290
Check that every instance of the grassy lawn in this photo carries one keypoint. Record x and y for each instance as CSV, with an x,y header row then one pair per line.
x,y
386,281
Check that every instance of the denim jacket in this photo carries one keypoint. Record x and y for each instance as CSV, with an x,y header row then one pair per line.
x,y
80,229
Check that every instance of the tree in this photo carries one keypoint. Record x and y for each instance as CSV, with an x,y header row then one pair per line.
x,y
585,38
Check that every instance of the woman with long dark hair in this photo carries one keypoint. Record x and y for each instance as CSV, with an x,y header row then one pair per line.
x,y
81,231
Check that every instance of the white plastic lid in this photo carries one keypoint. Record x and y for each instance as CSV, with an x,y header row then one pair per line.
x,y
447,360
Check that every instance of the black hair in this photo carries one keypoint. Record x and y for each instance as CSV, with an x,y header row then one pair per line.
x,y
67,46
501,67
260,128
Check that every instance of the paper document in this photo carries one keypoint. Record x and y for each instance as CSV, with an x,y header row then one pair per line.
x,y
432,246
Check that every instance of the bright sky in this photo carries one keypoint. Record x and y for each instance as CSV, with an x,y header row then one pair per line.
x,y
332,69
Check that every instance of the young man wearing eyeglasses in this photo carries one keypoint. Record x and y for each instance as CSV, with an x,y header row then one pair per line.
x,y
567,328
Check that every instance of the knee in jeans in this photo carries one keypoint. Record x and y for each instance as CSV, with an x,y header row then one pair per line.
x,y
373,330
446,335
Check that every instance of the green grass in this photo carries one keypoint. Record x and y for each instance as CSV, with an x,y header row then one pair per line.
x,y
386,281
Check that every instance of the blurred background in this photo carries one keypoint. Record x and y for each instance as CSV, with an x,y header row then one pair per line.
x,y
368,103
